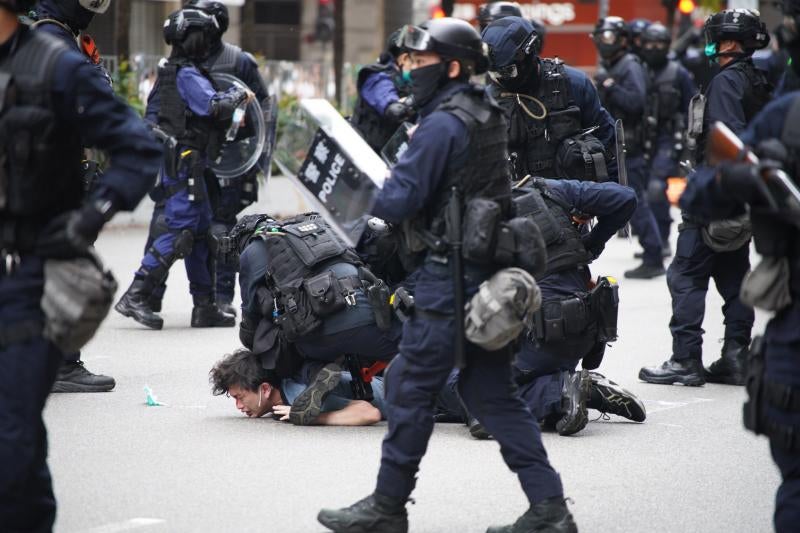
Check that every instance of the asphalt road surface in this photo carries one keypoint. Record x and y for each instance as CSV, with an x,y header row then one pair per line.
x,y
198,465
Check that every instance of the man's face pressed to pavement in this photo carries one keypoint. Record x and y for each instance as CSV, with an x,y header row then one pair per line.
x,y
252,403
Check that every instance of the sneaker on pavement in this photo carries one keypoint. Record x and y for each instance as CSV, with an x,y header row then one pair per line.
x,y
574,394
374,514
308,404
74,377
608,397
550,515
682,371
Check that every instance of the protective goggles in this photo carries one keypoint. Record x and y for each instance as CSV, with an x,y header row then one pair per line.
x,y
604,37
193,18
504,73
415,39
95,6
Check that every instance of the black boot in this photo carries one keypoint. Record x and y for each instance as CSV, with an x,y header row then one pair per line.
x,y
645,271
155,302
574,394
683,371
374,514
608,397
134,303
225,305
729,368
73,377
206,314
477,430
550,515
308,404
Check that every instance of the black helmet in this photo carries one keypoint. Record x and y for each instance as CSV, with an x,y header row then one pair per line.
x,y
655,41
452,39
190,32
637,26
218,9
541,31
492,11
512,43
741,25
608,36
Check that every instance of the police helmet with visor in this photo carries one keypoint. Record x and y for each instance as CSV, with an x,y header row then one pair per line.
x,y
492,11
610,36
740,25
513,45
190,32
218,9
655,40
452,39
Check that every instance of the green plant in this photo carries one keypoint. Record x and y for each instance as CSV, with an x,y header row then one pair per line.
x,y
126,85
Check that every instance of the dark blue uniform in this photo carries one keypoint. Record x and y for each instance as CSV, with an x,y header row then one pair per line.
x,y
350,331
426,350
84,104
705,199
664,161
229,203
695,263
625,99
543,364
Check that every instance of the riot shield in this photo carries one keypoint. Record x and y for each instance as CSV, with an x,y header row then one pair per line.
x,y
622,165
244,152
269,108
397,144
332,165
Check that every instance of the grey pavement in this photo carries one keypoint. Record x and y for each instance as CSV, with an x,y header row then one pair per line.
x,y
198,465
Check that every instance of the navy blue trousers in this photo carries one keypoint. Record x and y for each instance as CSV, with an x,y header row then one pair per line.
x,y
663,165
643,222
687,278
412,384
27,372
782,360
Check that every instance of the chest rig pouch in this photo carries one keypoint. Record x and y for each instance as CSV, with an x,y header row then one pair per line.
x,y
554,219
301,250
40,164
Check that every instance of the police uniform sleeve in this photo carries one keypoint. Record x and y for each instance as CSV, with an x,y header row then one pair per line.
x,y
687,88
594,114
725,96
629,92
153,103
82,98
249,74
252,269
198,93
440,139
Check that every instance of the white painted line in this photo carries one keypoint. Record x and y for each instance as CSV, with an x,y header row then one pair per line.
x,y
127,525
668,406
670,425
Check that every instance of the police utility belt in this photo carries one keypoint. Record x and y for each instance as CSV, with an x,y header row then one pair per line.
x,y
570,318
195,182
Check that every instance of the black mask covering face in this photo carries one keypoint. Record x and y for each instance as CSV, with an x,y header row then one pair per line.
x,y
655,58
525,78
195,45
426,81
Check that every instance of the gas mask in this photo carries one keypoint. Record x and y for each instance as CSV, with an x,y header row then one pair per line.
x,y
516,75
426,81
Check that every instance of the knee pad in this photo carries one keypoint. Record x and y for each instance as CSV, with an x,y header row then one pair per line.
x,y
159,226
184,242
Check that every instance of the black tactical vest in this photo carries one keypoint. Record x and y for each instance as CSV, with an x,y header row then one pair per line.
x,y
225,61
533,142
634,131
565,249
664,100
485,172
374,128
40,165
175,117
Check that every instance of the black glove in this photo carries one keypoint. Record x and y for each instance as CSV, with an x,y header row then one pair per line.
x,y
398,112
593,247
772,149
71,234
739,181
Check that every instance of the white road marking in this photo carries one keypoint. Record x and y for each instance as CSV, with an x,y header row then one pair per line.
x,y
127,525
667,406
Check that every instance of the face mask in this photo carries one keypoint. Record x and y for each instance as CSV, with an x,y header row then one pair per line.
x,y
711,51
403,79
425,81
654,58
523,76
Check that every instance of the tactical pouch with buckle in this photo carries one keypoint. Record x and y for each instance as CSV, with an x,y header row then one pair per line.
x,y
604,301
297,317
563,123
325,293
561,320
480,228
378,295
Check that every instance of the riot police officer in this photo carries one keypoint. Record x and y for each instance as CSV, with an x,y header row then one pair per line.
x,y
492,11
340,308
550,108
622,84
773,370
670,90
381,105
720,251
234,194
578,317
55,102
197,117
459,146
636,28
66,19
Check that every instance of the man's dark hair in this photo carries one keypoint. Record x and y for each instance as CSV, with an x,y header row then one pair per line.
x,y
241,368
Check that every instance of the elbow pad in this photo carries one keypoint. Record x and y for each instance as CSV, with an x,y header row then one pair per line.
x,y
222,108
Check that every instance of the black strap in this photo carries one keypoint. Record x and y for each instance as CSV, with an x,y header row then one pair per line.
x,y
783,397
20,332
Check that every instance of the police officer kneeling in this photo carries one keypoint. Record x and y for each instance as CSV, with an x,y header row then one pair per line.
x,y
52,101
456,157
307,296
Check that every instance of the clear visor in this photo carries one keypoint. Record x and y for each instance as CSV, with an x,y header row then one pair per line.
x,y
415,38
95,6
605,37
504,73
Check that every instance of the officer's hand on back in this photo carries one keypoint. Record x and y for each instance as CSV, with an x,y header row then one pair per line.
x,y
398,112
71,234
